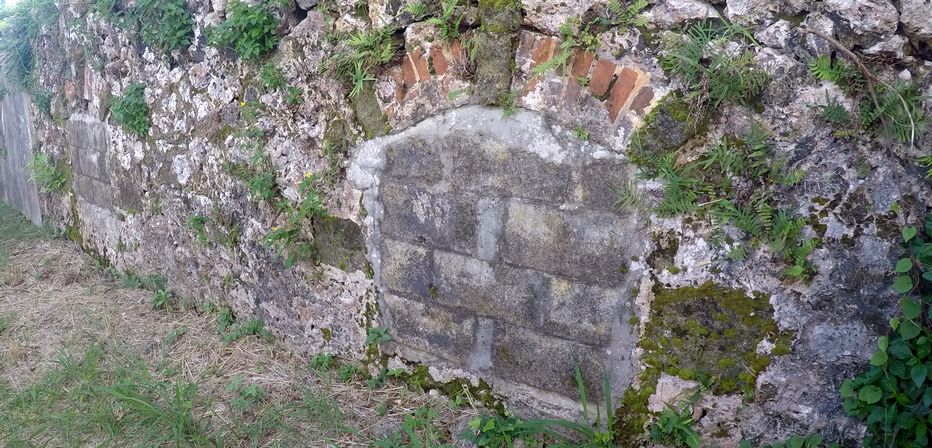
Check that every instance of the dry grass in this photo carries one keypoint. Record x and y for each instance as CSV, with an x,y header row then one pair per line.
x,y
55,300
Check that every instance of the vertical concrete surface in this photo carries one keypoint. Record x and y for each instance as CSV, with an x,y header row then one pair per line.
x,y
16,187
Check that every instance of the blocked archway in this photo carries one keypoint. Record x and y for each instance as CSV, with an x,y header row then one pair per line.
x,y
498,249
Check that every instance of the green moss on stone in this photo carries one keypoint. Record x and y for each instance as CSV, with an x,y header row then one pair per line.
x,y
709,332
327,334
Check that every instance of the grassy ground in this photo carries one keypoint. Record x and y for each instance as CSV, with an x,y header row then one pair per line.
x,y
85,360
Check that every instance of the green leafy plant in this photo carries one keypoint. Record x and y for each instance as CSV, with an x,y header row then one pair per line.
x,y
131,110
417,9
288,239
271,76
624,15
249,30
712,75
46,174
894,396
294,95
674,427
507,103
572,40
581,133
245,396
448,22
164,24
882,109
377,335
197,223
161,300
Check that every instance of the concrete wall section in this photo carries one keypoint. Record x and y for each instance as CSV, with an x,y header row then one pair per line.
x,y
16,188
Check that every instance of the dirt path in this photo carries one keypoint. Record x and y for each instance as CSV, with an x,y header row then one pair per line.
x,y
85,360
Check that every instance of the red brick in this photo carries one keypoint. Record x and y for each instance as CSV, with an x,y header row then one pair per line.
x,y
408,72
642,100
457,55
602,76
439,61
399,79
420,65
542,52
582,62
620,92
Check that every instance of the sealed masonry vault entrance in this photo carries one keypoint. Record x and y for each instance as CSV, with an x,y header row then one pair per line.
x,y
497,250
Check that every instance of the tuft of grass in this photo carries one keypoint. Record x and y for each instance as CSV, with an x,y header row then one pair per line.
x,y
252,327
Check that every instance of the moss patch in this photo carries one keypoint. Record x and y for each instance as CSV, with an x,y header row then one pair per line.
x,y
668,126
709,333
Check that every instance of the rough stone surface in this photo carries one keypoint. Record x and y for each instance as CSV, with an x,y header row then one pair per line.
x,y
914,15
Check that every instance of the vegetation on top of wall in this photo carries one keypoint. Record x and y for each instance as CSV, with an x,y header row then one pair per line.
x,y
894,111
448,22
21,25
894,396
131,110
249,29
363,52
165,24
713,75
46,174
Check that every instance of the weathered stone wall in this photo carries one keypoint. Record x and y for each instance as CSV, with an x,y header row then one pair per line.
x,y
490,246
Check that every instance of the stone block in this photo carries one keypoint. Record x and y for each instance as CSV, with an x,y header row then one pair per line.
x,y
494,169
590,246
416,215
413,159
585,313
595,184
93,191
528,357
493,291
406,269
341,243
430,328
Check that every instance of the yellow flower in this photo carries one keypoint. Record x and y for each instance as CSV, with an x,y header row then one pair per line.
x,y
308,174
275,229
242,104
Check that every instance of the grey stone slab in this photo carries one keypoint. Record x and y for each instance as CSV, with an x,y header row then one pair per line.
x,y
491,221
587,245
414,159
492,168
529,357
419,216
406,269
93,191
494,291
585,313
90,163
16,146
341,243
595,184
430,328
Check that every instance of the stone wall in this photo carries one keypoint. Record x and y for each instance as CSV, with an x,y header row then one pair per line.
x,y
490,245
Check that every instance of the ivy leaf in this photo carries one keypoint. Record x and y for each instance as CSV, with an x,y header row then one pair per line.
x,y
928,224
908,233
903,284
918,374
870,394
904,265
883,342
894,323
927,276
909,329
879,358
911,308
